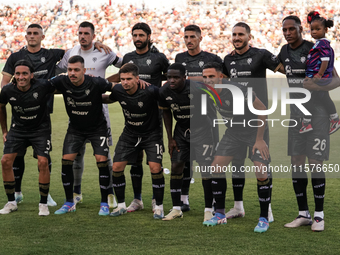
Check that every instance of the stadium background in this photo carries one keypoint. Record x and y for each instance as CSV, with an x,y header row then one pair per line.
x,y
84,232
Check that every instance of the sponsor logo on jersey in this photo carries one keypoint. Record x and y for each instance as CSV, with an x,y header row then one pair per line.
x,y
249,60
288,69
273,57
233,63
28,117
70,102
148,62
233,73
87,91
94,59
12,99
140,104
131,61
168,98
123,103
303,59
35,95
184,64
201,64
287,60
79,112
43,59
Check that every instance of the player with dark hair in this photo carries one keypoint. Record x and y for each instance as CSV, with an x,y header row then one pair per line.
x,y
235,138
192,137
313,145
44,64
83,102
193,60
31,126
319,66
243,65
152,67
96,63
142,132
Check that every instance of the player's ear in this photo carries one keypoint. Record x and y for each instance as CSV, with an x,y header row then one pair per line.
x,y
42,37
84,70
300,29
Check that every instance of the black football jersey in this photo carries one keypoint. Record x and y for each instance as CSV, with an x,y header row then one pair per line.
x,y
29,111
186,106
140,110
43,62
252,64
194,64
83,103
152,65
294,62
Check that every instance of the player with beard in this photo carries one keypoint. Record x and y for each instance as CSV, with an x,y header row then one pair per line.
x,y
31,126
243,65
96,63
152,67
193,60
313,145
43,62
83,102
233,141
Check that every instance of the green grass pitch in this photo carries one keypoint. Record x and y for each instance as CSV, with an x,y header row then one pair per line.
x,y
84,232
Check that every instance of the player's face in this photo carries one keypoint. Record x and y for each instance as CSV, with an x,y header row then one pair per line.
x,y
129,81
192,40
85,37
240,38
317,29
140,39
75,72
34,36
212,77
23,76
291,31
175,79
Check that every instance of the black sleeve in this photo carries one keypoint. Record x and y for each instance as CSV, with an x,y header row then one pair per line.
x,y
58,54
3,96
218,60
225,70
270,61
165,64
113,96
57,82
9,65
104,84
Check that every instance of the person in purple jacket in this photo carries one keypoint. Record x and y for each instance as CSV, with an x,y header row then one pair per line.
x,y
320,64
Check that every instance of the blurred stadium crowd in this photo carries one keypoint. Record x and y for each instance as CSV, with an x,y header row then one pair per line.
x,y
113,25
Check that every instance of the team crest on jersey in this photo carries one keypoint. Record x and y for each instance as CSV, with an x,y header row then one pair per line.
x,y
303,59
70,102
123,103
201,64
288,69
233,73
35,95
227,102
232,63
43,59
184,64
249,60
140,104
131,61
169,98
148,62
191,96
287,60
94,59
87,91
174,107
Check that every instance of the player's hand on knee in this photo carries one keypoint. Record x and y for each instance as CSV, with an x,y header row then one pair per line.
x,y
262,147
